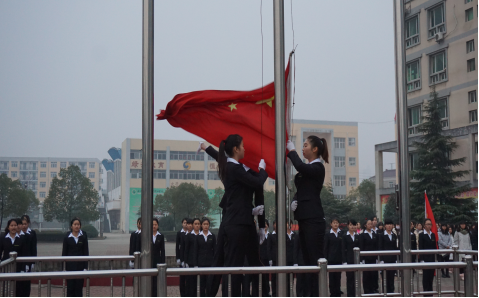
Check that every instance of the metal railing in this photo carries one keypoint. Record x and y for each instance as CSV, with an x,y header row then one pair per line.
x,y
8,278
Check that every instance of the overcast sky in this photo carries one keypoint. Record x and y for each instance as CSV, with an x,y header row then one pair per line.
x,y
70,71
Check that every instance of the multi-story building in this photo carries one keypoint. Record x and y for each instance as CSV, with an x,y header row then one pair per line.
x,y
441,41
37,173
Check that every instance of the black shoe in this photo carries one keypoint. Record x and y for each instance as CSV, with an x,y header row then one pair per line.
x,y
444,276
448,276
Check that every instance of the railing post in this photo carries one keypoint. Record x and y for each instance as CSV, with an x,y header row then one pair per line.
x,y
323,277
64,264
161,289
468,277
136,287
455,271
13,255
356,273
40,281
438,278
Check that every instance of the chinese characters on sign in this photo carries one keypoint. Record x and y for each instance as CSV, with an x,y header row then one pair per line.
x,y
156,165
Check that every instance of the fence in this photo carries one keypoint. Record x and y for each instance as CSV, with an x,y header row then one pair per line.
x,y
8,278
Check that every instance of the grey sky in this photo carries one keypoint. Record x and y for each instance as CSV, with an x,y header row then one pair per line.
x,y
70,71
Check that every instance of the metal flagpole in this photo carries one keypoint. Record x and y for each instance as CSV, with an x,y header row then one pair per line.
x,y
279,96
147,145
403,155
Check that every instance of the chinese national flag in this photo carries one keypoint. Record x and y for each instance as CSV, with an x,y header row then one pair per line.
x,y
430,215
215,114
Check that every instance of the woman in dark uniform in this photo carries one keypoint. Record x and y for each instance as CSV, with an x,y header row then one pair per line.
x,y
134,241
190,241
350,241
157,254
31,242
333,242
75,243
307,208
368,241
204,251
13,242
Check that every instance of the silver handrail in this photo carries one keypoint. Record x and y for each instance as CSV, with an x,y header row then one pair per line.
x,y
75,258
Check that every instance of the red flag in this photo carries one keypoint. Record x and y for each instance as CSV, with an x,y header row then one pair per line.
x,y
215,114
430,215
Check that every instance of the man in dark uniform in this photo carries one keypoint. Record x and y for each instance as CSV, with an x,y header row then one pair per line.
x,y
427,240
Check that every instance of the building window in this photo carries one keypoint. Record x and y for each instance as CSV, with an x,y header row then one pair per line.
x,y
136,154
340,197
413,73
271,181
14,174
414,161
43,184
187,175
135,174
339,143
53,174
213,175
339,161
472,96
469,14
470,46
352,141
352,161
159,174
14,164
53,164
92,165
412,32
91,174
42,194
437,69
340,180
443,113
159,155
391,184
467,1
186,155
43,164
472,116
436,20
63,164
352,181
471,65
210,158
414,115
43,174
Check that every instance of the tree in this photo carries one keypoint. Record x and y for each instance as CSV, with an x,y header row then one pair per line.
x,y
434,169
390,211
14,199
362,200
71,195
215,202
333,207
270,206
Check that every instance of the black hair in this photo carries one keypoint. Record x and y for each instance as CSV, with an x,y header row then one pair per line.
x,y
374,217
266,222
227,146
205,219
186,218
73,220
19,221
365,222
189,221
138,220
352,221
334,218
26,217
8,225
380,224
425,220
322,146
196,219
447,229
156,219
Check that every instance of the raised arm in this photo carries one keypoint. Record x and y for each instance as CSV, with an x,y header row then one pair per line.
x,y
301,167
248,179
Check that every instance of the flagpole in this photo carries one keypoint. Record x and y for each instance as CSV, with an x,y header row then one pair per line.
x,y
147,145
280,140
403,154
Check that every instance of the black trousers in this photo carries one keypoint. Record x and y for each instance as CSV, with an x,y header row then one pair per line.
x,y
273,282
265,280
303,285
75,288
23,288
389,279
240,241
350,284
444,258
427,280
289,290
250,285
334,282
370,279
183,285
191,283
213,282
311,237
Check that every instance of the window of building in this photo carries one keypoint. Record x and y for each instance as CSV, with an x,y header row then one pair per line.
x,y
467,1
391,184
469,14
271,181
436,20
414,115
136,154
43,164
352,181
471,65
92,165
42,194
340,197
187,175
43,184
412,31
135,174
414,161
413,74
14,174
186,155
472,96
339,143
43,174
53,174
339,180
63,164
53,164
352,161
210,158
470,46
443,112
437,69
159,155
159,174
91,174
472,116
352,141
339,161
213,175
14,164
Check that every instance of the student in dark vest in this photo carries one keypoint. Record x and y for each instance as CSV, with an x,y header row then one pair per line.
x,y
333,242
290,242
264,256
178,253
388,241
31,243
75,243
12,242
350,241
273,256
427,240
134,241
157,254
204,251
308,210
368,241
190,240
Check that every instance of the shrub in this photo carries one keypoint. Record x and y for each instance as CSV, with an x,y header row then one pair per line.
x,y
91,231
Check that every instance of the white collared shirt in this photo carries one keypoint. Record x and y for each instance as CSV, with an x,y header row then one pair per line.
x,y
229,159
182,231
206,236
266,235
193,232
352,236
336,234
76,238
12,239
29,231
389,235
316,160
429,234
274,232
137,231
154,236
21,233
370,233
289,235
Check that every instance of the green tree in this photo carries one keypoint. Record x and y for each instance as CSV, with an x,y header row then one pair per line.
x,y
334,207
215,202
362,200
434,169
270,206
390,211
71,195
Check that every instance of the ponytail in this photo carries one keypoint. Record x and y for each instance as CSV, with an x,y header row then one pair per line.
x,y
322,146
226,147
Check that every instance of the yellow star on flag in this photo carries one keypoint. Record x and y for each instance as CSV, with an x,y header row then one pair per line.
x,y
268,101
233,106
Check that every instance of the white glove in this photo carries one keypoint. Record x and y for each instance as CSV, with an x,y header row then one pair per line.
x,y
290,145
270,262
196,266
345,263
187,266
262,165
295,265
422,261
178,262
258,210
199,148
27,268
363,262
33,266
382,262
261,236
294,205
85,270
183,264
132,265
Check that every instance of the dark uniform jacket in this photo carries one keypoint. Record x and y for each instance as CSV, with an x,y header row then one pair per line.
x,y
264,251
273,247
333,247
190,240
183,246
204,251
297,253
427,243
178,244
366,243
19,246
413,240
133,242
290,249
309,182
71,248
386,244
31,243
348,247
158,250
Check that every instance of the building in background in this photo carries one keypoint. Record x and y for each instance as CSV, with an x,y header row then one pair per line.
x,y
441,42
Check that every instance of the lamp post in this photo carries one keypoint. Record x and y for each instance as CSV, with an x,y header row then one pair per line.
x,y
40,216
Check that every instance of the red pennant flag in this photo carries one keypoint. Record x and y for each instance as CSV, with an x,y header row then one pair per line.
x,y
215,114
430,215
